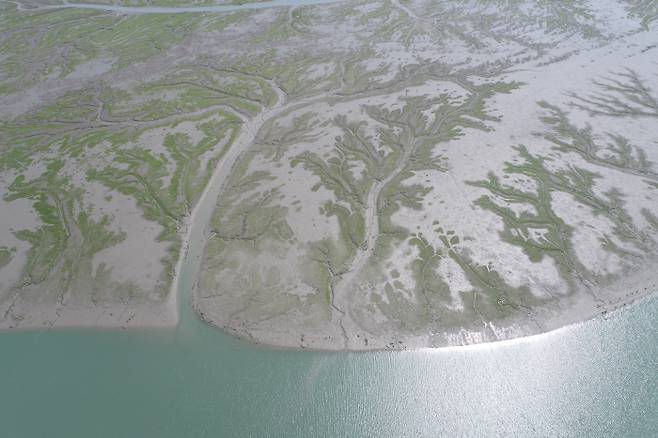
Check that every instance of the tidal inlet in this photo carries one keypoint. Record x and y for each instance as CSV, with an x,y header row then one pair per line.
x,y
354,175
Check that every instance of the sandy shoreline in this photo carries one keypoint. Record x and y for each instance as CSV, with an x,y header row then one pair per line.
x,y
570,312
550,319
106,317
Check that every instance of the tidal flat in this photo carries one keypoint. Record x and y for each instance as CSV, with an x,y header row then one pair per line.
x,y
362,175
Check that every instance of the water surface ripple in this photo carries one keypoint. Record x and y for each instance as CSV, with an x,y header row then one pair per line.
x,y
596,379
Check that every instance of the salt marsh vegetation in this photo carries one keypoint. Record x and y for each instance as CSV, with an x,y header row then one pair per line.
x,y
392,174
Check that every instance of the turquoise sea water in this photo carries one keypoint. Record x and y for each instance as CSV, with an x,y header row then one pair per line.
x,y
597,379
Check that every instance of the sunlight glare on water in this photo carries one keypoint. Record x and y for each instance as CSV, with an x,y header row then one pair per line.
x,y
590,380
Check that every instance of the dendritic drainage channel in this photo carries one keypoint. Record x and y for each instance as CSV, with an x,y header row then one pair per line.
x,y
391,174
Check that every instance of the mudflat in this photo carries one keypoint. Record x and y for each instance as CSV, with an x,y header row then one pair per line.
x,y
383,175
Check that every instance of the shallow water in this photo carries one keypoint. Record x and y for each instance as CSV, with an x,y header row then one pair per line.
x,y
591,380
